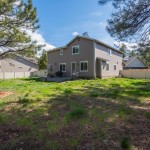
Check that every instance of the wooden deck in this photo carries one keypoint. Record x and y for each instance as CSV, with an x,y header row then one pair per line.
x,y
57,79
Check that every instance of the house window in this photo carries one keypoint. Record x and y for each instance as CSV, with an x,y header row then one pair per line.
x,y
61,52
107,66
20,67
115,67
109,51
84,66
75,50
62,67
50,67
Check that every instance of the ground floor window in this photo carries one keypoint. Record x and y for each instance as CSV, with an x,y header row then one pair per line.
x,y
115,67
62,67
107,66
84,66
50,67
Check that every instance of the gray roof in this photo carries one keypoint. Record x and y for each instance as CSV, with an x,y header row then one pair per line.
x,y
132,59
78,36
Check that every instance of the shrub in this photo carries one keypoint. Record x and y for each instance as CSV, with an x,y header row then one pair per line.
x,y
124,111
68,91
125,143
94,95
23,100
76,113
147,115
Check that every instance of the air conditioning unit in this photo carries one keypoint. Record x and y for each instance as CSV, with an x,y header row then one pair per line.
x,y
77,74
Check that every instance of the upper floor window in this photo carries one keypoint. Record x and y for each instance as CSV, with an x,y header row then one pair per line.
x,y
61,52
109,51
75,50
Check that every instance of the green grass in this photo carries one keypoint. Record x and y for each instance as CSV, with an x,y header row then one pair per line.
x,y
71,115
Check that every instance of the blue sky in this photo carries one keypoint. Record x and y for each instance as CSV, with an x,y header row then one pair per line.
x,y
59,19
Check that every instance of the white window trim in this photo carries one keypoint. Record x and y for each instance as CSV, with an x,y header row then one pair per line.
x,y
78,51
62,52
62,64
75,67
80,66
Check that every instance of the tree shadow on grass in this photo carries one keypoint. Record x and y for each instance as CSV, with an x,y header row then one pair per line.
x,y
91,118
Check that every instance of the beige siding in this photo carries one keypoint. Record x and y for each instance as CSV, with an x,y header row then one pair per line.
x,y
86,53
115,58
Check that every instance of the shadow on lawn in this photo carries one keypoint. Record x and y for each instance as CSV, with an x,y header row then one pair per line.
x,y
92,118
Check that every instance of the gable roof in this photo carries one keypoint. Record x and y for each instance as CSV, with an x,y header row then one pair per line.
x,y
31,60
87,38
131,59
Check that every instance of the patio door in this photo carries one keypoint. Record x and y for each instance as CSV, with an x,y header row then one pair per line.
x,y
73,68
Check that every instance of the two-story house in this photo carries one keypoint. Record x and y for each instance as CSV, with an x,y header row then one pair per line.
x,y
85,57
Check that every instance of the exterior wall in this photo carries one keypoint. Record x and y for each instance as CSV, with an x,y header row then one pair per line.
x,y
137,73
136,63
17,64
86,53
115,58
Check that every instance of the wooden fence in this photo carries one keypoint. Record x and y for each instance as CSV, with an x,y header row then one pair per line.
x,y
136,73
13,75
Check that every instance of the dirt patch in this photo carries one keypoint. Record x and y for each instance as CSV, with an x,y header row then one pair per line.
x,y
4,94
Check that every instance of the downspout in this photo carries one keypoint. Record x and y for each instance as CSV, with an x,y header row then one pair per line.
x,y
94,59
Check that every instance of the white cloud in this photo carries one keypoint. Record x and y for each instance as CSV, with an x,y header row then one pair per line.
x,y
36,36
95,14
130,46
75,33
17,3
103,24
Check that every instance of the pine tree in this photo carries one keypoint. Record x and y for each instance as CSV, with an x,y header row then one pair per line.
x,y
16,18
42,62
130,20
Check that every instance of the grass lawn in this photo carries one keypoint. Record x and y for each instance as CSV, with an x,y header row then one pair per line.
x,y
85,114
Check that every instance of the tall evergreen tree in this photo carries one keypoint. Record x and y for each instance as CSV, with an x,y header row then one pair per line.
x,y
16,18
131,20
42,62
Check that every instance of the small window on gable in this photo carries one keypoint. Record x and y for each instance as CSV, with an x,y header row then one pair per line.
x,y
75,50
115,67
20,67
61,52
109,51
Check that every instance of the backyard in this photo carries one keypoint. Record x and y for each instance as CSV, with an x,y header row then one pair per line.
x,y
82,114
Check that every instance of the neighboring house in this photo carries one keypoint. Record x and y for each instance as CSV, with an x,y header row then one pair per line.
x,y
134,62
85,57
17,63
